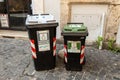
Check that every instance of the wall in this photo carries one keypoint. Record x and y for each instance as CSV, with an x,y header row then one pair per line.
x,y
37,6
48,7
1,0
118,37
53,7
113,14
93,17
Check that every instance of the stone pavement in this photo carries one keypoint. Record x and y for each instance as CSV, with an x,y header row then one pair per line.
x,y
16,64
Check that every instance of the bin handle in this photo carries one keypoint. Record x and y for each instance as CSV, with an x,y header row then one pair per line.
x,y
44,14
75,23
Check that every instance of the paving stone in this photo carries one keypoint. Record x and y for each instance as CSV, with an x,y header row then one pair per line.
x,y
51,76
109,77
102,74
29,70
72,75
16,64
78,75
24,78
41,74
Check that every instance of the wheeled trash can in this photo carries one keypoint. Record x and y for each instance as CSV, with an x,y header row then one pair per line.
x,y
74,35
43,43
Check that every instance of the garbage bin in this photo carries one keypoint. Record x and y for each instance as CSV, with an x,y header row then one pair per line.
x,y
74,35
43,44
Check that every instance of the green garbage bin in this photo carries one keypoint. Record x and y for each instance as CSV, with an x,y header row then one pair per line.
x,y
74,35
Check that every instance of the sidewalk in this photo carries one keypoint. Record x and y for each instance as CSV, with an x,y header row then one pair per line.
x,y
14,34
16,64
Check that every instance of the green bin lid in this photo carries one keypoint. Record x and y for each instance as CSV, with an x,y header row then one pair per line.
x,y
75,29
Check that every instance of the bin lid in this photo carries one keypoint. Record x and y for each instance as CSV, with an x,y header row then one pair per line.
x,y
43,25
76,29
39,19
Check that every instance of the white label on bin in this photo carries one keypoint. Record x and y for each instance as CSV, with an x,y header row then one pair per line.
x,y
74,46
43,40
4,20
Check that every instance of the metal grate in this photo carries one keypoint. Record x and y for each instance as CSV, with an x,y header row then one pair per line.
x,y
2,7
17,11
18,5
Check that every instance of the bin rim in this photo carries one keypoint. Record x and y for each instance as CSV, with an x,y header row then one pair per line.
x,y
75,33
42,25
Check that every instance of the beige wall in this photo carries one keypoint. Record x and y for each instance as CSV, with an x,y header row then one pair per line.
x,y
113,14
1,0
53,7
118,37
93,17
112,22
37,6
48,7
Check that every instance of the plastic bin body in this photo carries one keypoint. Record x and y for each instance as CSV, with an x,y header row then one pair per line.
x,y
74,59
45,58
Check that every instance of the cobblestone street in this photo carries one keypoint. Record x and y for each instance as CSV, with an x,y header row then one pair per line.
x,y
16,64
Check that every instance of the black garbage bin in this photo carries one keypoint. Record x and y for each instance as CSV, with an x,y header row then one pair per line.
x,y
43,44
74,35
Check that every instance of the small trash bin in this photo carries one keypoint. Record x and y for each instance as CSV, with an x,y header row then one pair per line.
x,y
43,43
74,45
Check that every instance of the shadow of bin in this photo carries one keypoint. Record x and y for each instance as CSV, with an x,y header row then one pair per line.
x,y
74,35
43,45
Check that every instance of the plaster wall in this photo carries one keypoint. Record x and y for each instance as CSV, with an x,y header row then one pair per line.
x,y
112,19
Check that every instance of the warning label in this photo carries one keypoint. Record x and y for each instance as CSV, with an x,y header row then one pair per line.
x,y
74,46
43,40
